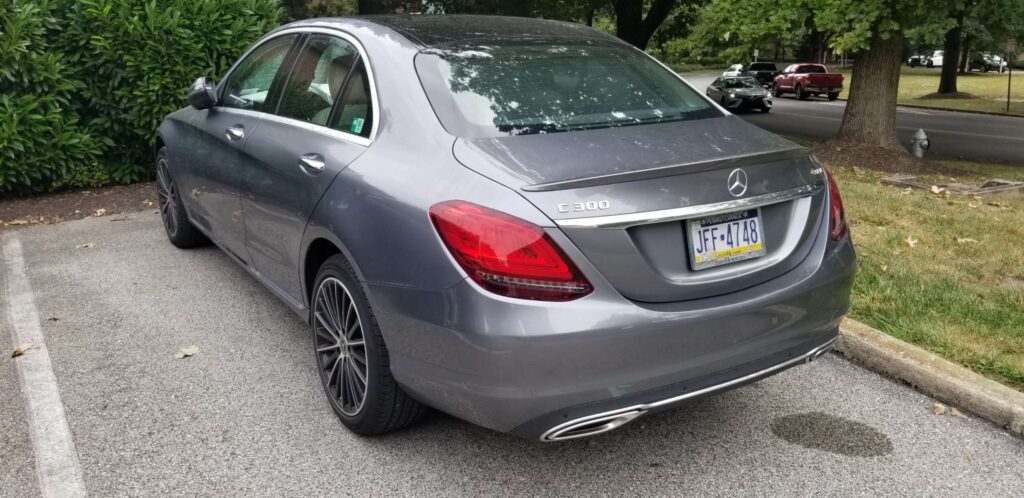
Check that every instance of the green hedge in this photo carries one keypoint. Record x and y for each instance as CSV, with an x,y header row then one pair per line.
x,y
84,83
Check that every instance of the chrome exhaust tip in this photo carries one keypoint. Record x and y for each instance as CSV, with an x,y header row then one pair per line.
x,y
590,426
819,352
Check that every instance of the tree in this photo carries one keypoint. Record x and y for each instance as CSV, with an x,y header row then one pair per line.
x,y
977,24
636,28
873,30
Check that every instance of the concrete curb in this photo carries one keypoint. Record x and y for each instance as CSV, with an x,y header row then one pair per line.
x,y
932,375
951,109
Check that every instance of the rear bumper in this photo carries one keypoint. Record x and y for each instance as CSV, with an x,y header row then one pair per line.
x,y
525,367
823,89
620,412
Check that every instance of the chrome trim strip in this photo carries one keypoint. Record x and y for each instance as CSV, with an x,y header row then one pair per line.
x,y
323,130
681,213
673,169
303,125
806,357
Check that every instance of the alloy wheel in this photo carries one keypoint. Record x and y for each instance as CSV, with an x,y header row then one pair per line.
x,y
340,346
168,197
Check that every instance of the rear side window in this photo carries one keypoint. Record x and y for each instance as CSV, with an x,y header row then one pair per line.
x,y
354,112
548,87
810,69
249,84
317,77
762,66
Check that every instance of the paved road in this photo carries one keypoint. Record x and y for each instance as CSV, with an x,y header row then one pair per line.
x,y
245,416
954,135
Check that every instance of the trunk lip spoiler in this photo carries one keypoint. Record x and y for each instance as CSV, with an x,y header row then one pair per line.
x,y
673,169
620,221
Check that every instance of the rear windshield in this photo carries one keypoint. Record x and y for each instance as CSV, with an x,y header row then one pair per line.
x,y
762,66
531,88
811,69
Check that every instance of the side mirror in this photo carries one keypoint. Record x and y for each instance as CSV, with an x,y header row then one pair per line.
x,y
203,93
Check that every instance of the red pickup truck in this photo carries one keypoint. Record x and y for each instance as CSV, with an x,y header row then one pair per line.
x,y
804,80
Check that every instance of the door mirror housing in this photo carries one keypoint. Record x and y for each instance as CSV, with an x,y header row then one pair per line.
x,y
203,93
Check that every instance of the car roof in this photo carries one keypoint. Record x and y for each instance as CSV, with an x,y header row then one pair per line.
x,y
427,30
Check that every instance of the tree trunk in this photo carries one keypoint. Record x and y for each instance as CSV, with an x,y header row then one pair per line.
x,y
950,59
588,18
631,25
870,117
965,55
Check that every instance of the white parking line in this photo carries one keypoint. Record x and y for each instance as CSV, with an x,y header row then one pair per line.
x,y
57,465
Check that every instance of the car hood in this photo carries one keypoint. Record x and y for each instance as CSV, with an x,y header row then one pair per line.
x,y
612,155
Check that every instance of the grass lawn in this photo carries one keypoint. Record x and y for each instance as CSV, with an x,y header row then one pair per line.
x,y
988,88
943,272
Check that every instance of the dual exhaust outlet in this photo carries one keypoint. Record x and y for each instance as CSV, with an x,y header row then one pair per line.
x,y
599,423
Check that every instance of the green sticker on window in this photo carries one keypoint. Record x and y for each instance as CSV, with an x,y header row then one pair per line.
x,y
357,125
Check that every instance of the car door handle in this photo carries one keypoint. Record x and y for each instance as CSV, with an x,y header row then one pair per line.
x,y
312,163
236,132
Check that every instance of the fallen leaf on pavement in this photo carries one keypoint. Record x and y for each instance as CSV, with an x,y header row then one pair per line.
x,y
87,245
911,241
186,352
24,348
939,409
147,202
956,413
18,222
99,212
966,240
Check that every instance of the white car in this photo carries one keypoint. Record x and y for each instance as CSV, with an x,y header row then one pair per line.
x,y
935,60
735,70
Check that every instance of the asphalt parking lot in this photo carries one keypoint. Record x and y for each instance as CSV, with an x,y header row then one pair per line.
x,y
245,415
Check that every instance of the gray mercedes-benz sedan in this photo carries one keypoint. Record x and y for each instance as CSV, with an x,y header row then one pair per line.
x,y
527,224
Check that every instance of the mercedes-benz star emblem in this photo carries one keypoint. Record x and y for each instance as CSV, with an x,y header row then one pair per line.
x,y
737,183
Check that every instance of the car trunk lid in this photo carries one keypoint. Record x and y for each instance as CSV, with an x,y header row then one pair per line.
x,y
623,195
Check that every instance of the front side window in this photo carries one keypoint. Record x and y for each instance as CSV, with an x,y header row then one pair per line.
x,y
548,87
320,71
249,84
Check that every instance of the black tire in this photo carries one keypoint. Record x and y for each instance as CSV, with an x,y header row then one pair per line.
x,y
776,92
799,93
385,407
179,229
930,64
833,96
766,109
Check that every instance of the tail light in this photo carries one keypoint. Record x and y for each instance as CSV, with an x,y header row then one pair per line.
x,y
506,255
837,227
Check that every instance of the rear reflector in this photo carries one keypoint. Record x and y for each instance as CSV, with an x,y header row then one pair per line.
x,y
507,255
837,227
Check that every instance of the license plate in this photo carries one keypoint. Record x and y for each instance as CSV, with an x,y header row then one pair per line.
x,y
725,238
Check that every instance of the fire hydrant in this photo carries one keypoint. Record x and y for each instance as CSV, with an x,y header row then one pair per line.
x,y
919,143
